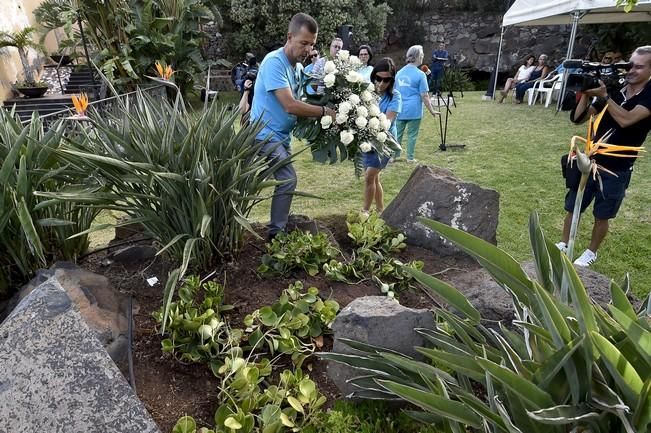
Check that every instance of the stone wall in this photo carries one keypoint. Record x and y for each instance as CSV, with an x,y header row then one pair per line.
x,y
474,38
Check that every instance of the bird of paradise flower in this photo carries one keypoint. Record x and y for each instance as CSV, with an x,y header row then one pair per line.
x,y
80,103
587,165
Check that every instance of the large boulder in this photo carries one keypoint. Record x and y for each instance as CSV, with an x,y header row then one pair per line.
x,y
102,306
496,305
379,321
435,193
55,375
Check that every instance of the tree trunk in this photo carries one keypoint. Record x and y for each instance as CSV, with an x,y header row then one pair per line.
x,y
29,74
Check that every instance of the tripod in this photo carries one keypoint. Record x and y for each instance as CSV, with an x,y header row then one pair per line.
x,y
453,81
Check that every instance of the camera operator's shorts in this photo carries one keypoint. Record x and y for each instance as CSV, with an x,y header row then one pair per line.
x,y
606,203
373,160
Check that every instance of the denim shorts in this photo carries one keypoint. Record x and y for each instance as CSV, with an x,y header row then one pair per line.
x,y
606,203
373,160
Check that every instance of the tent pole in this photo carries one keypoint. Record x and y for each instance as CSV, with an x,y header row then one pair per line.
x,y
576,16
497,63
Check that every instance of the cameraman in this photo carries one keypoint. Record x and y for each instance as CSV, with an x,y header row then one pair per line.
x,y
628,116
247,96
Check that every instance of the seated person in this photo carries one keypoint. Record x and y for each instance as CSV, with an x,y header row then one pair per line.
x,y
540,72
520,77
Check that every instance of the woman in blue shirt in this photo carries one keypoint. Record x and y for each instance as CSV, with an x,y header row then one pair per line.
x,y
383,77
411,82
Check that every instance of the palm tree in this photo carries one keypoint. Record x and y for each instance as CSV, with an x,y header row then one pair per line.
x,y
22,41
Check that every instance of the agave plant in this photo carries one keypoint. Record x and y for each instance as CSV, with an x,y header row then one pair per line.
x,y
558,368
35,231
190,179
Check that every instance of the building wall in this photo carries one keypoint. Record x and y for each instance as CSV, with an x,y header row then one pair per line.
x,y
16,15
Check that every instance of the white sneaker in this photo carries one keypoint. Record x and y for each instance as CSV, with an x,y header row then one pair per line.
x,y
586,259
562,246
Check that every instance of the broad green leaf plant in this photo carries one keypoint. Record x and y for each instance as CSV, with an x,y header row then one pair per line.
x,y
557,368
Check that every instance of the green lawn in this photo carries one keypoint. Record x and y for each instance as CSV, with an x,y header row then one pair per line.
x,y
514,149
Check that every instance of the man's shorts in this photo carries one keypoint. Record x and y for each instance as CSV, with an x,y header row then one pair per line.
x,y
373,160
606,203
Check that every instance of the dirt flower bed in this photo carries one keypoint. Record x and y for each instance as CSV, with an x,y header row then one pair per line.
x,y
170,389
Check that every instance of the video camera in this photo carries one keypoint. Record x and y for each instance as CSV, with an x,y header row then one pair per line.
x,y
613,75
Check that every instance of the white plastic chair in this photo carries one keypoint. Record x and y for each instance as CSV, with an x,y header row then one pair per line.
x,y
547,87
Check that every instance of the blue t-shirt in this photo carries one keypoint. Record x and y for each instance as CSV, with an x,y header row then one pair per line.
x,y
438,65
309,70
411,82
391,104
275,73
365,72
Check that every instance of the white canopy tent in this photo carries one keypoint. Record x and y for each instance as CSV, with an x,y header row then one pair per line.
x,y
574,12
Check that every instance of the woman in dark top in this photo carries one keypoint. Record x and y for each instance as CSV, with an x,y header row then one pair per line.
x,y
540,72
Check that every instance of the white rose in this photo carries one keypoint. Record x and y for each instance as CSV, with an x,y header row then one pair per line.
x,y
361,122
341,118
354,99
345,107
386,124
329,80
353,77
354,60
329,67
326,121
371,87
346,137
381,136
374,110
366,96
344,55
362,111
365,147
374,123
382,117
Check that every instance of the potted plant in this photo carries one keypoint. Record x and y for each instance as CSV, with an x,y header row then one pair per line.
x,y
23,41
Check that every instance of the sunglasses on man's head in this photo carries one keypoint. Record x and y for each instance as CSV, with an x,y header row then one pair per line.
x,y
383,79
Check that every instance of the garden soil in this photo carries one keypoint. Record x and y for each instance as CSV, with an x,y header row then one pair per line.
x,y
170,389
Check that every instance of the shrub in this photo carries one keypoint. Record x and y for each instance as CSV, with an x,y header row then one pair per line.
x,y
562,367
264,23
190,179
36,231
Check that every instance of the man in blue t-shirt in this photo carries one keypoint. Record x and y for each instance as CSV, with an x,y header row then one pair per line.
x,y
439,59
276,105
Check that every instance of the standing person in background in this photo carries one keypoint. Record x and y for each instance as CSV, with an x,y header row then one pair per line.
x,y
335,46
440,57
411,83
309,68
383,78
276,106
365,56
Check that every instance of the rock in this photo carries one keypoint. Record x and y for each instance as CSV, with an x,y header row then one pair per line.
x,y
102,306
436,194
133,254
125,231
495,304
57,377
379,321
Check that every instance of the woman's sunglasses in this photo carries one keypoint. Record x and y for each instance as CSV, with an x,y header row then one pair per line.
x,y
383,79
313,56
